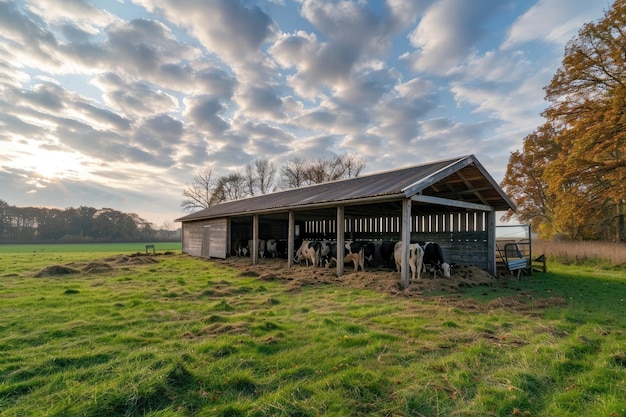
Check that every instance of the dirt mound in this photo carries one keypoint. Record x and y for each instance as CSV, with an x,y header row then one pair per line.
x,y
97,267
135,259
55,271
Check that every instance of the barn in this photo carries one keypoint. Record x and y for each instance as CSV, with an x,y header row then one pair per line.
x,y
452,202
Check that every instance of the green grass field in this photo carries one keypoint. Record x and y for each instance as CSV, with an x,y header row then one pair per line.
x,y
88,247
190,337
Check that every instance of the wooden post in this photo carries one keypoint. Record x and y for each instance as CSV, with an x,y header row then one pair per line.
x,y
405,237
229,238
291,231
340,240
530,252
255,239
491,243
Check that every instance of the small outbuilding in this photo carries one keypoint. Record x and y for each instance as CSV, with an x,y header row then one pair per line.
x,y
452,202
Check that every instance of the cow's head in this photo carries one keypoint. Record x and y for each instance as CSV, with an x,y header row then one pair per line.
x,y
445,268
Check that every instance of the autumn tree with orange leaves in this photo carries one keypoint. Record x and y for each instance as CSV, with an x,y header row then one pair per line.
x,y
569,180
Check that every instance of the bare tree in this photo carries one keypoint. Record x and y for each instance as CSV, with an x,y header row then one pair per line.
x,y
318,171
298,172
352,166
266,175
260,177
199,194
251,180
230,187
338,167
293,174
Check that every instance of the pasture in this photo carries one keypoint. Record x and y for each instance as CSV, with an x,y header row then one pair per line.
x,y
87,247
103,334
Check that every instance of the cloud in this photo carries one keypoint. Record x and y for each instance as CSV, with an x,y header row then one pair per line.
x,y
399,112
448,32
404,12
143,45
44,96
204,112
227,27
136,98
104,118
215,81
260,101
356,34
266,140
318,119
159,133
231,156
80,14
555,21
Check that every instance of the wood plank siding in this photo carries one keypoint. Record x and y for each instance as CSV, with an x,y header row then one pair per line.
x,y
208,238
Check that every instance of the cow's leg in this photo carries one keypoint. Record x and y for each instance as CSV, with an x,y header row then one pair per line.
x,y
418,267
419,262
362,259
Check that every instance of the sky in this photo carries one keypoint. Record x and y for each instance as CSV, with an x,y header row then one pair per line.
x,y
119,103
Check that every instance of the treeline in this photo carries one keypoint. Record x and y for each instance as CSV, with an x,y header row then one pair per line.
x,y
75,225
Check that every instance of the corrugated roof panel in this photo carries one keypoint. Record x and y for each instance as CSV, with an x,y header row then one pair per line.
x,y
390,183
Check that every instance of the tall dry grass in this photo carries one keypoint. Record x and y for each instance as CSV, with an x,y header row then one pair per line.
x,y
581,252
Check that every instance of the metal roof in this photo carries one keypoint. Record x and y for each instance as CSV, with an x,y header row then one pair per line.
x,y
461,179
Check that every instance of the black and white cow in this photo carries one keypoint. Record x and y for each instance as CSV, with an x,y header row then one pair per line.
x,y
309,251
327,251
433,256
260,247
369,251
416,256
353,252
239,249
271,248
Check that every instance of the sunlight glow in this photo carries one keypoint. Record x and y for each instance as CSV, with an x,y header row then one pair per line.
x,y
52,165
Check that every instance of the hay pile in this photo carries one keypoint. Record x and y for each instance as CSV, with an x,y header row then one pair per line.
x,y
387,281
378,279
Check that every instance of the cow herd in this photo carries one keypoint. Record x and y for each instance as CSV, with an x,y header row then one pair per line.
x,y
423,256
